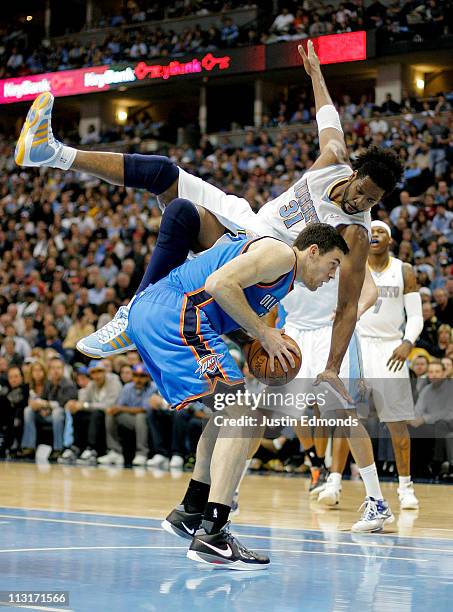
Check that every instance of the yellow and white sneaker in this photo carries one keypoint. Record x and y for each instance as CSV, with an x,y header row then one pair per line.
x,y
36,145
111,339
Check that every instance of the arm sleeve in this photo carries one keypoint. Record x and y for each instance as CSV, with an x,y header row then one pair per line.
x,y
414,323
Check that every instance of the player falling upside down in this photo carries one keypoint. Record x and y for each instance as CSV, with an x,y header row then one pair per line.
x,y
177,324
384,353
330,192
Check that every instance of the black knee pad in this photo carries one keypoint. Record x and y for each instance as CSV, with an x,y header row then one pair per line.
x,y
156,173
181,222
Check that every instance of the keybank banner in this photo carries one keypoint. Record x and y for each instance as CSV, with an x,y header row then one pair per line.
x,y
333,48
103,78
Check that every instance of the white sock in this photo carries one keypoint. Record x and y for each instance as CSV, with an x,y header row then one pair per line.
x,y
404,481
65,158
371,481
335,479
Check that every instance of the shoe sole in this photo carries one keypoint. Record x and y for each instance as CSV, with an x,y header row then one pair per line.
x,y
99,354
390,519
34,116
172,530
219,563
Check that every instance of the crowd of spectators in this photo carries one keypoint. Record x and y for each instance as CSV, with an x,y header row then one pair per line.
x,y
400,20
72,249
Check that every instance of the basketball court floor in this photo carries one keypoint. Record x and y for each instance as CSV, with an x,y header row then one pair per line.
x,y
95,533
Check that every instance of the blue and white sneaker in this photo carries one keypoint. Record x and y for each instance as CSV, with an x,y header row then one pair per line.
x,y
111,339
376,512
36,145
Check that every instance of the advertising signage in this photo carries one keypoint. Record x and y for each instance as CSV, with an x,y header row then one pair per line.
x,y
346,47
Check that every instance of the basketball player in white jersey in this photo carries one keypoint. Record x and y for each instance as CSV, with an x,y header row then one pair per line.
x,y
198,213
385,349
309,320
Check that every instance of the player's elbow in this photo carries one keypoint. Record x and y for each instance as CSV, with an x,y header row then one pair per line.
x,y
339,150
213,285
218,285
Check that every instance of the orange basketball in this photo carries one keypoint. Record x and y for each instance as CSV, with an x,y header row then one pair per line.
x,y
259,364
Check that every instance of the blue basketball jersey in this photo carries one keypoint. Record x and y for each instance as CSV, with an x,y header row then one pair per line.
x,y
191,277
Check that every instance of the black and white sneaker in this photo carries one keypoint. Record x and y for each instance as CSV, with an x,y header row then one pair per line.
x,y
181,523
223,550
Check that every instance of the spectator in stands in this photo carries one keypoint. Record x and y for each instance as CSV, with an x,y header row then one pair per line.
x,y
160,423
442,220
78,330
13,400
435,415
229,32
48,408
21,346
405,208
390,107
130,412
187,427
419,367
125,374
447,362
428,336
88,414
444,339
51,340
444,305
378,125
282,23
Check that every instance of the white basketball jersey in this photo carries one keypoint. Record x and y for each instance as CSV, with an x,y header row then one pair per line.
x,y
307,201
307,310
387,317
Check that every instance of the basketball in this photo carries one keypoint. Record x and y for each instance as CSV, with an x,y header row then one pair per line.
x,y
259,364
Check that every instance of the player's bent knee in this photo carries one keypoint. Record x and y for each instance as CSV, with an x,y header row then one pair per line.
x,y
156,173
180,220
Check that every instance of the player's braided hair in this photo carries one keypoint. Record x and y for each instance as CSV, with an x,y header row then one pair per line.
x,y
383,166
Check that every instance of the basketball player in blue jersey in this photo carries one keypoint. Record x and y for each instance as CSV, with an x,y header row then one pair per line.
x,y
176,325
330,192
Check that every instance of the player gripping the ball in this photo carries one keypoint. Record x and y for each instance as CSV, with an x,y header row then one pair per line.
x,y
177,324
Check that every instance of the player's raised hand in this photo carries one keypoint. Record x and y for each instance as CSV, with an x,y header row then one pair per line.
x,y
277,347
399,356
332,378
310,59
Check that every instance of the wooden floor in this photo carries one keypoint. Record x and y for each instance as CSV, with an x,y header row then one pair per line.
x,y
271,501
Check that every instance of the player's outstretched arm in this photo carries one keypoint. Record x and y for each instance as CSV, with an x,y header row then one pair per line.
x,y
352,275
266,261
331,139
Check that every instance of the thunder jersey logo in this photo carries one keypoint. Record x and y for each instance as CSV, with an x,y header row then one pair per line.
x,y
208,364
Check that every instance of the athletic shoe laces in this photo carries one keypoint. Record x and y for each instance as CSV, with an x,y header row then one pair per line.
x,y
116,326
370,511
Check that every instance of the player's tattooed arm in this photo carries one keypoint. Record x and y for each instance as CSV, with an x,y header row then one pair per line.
x,y
264,262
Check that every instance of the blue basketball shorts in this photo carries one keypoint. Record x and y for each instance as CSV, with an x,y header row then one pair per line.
x,y
184,355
